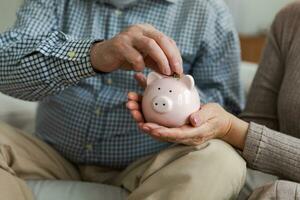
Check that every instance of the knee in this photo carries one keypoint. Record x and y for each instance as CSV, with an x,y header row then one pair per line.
x,y
224,163
226,156
8,134
3,130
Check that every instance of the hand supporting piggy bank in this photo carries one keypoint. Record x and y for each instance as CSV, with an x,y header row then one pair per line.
x,y
169,101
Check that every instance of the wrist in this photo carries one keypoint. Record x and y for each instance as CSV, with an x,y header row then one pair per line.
x,y
95,53
237,133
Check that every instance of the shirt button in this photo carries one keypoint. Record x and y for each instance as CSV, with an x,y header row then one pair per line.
x,y
109,81
89,147
71,54
118,12
98,111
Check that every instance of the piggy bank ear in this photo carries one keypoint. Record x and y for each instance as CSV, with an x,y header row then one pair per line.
x,y
153,76
188,80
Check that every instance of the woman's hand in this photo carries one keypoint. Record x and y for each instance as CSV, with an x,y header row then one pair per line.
x,y
211,121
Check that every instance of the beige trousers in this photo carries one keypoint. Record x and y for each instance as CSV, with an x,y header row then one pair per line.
x,y
213,170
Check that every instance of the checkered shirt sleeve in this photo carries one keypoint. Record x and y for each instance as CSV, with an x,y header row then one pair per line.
x,y
37,60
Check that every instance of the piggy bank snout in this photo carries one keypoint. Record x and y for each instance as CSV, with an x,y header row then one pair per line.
x,y
162,104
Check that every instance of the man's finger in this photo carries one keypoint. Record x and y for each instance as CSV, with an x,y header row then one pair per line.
x,y
173,54
132,105
170,49
133,96
137,116
150,63
132,56
141,79
149,47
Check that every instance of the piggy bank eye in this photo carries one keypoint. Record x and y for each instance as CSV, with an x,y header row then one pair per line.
x,y
158,88
170,91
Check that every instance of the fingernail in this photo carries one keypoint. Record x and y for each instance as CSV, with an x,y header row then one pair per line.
x,y
145,128
177,66
141,127
156,134
196,120
167,71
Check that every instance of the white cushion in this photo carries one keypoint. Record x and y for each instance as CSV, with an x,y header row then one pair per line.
x,y
18,113
74,190
247,72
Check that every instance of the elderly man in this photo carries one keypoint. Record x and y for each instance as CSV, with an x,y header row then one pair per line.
x,y
78,59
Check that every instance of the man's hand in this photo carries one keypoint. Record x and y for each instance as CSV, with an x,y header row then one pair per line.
x,y
136,47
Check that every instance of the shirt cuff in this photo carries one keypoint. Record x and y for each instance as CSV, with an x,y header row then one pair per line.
x,y
252,143
74,53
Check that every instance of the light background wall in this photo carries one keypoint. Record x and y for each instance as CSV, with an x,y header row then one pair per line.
x,y
8,10
251,16
255,16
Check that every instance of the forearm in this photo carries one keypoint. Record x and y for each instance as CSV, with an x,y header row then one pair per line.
x,y
33,67
237,133
265,149
36,59
273,152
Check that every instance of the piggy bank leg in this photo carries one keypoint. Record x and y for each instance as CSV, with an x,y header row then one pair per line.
x,y
211,171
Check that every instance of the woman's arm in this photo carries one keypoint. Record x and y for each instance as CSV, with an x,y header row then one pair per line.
x,y
272,152
266,149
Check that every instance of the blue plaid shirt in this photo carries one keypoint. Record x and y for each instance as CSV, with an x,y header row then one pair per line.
x,y
45,58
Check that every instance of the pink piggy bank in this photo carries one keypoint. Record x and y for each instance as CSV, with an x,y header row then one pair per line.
x,y
169,101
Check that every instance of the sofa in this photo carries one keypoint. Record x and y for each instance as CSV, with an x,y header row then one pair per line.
x,y
21,114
